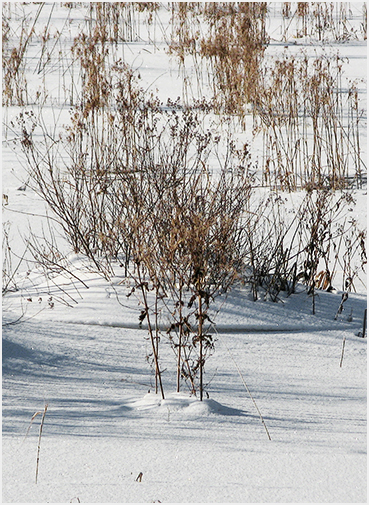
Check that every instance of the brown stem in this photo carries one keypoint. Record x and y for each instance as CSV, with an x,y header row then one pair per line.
x,y
157,369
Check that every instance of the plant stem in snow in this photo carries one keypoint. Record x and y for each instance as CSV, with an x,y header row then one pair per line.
x,y
180,340
249,392
39,440
201,345
157,369
343,349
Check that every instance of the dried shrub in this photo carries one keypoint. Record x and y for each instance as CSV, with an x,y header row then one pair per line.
x,y
310,128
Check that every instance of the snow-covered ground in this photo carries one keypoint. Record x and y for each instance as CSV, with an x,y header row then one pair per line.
x,y
103,427
82,353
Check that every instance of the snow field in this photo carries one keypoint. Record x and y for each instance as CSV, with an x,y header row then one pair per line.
x,y
102,427
104,470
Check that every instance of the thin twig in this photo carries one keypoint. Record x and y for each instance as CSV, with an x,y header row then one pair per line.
x,y
39,440
343,349
248,390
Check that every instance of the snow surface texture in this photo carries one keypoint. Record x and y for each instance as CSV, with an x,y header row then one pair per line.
x,y
103,428
106,438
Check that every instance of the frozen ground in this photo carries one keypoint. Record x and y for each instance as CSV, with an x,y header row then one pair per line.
x,y
102,427
83,354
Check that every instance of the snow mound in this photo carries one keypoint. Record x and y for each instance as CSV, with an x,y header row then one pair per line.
x,y
182,405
